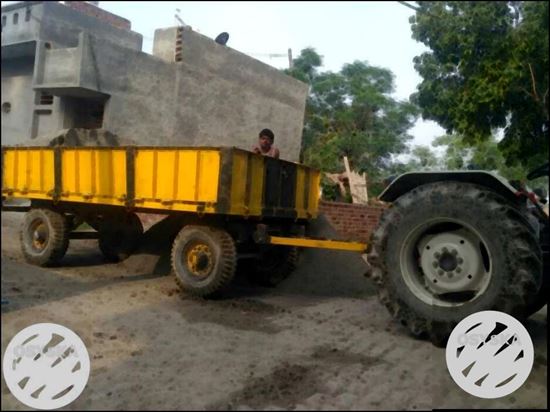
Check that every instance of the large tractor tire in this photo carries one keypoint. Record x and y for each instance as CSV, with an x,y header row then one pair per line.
x,y
544,293
203,260
542,297
275,264
119,236
446,250
44,237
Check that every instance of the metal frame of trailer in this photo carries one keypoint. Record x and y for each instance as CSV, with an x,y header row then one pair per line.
x,y
228,199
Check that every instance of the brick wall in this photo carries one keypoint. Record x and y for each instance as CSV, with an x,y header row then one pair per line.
x,y
351,221
105,16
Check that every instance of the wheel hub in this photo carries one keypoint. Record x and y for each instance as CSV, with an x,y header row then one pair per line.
x,y
200,260
448,262
39,234
451,262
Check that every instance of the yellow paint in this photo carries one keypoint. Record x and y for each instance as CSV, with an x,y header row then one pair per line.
x,y
315,243
104,183
238,185
257,184
194,264
28,171
300,187
180,179
181,175
314,182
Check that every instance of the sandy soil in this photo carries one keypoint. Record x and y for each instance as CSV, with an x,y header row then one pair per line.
x,y
319,341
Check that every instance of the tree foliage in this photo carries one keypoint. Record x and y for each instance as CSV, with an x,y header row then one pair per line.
x,y
487,68
351,113
483,156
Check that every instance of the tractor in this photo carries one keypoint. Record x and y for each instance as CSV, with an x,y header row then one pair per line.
x,y
454,243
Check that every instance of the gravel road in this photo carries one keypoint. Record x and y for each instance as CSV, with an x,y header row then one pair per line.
x,y
319,341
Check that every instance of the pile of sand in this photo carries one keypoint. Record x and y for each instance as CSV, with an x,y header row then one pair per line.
x,y
323,272
79,137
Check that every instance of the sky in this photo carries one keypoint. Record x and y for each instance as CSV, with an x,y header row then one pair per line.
x,y
377,32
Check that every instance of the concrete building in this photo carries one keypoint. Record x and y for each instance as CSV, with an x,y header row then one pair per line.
x,y
76,65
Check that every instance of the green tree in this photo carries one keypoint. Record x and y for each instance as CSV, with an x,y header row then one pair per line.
x,y
456,153
483,156
351,113
423,158
487,68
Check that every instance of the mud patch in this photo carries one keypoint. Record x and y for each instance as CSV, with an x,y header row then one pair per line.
x,y
328,273
242,314
285,387
344,357
77,137
252,306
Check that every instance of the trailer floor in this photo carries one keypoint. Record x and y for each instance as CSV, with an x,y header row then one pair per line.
x,y
320,341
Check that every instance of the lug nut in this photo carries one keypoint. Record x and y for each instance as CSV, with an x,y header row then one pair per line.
x,y
450,274
458,270
445,249
460,260
435,264
454,252
440,271
437,255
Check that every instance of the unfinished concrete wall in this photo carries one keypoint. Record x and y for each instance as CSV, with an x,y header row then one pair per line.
x,y
89,9
226,96
138,87
20,24
26,112
57,67
31,27
17,99
214,96
164,44
193,92
59,24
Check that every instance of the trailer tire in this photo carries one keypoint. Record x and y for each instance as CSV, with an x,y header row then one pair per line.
x,y
276,263
119,236
203,260
514,256
44,237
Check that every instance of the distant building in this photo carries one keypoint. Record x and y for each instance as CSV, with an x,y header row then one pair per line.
x,y
76,65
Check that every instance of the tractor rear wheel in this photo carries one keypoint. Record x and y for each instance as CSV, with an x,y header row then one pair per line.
x,y
446,250
203,260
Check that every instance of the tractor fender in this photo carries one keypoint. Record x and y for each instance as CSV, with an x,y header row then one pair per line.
x,y
408,181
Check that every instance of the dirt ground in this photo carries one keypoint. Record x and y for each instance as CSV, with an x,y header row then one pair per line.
x,y
319,341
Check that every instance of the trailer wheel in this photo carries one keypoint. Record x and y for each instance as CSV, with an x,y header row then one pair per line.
x,y
119,236
446,250
204,260
276,263
44,237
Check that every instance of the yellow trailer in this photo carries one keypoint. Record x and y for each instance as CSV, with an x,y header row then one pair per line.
x,y
230,201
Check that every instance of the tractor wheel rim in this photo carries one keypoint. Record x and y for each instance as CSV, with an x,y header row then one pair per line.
x,y
446,262
199,260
